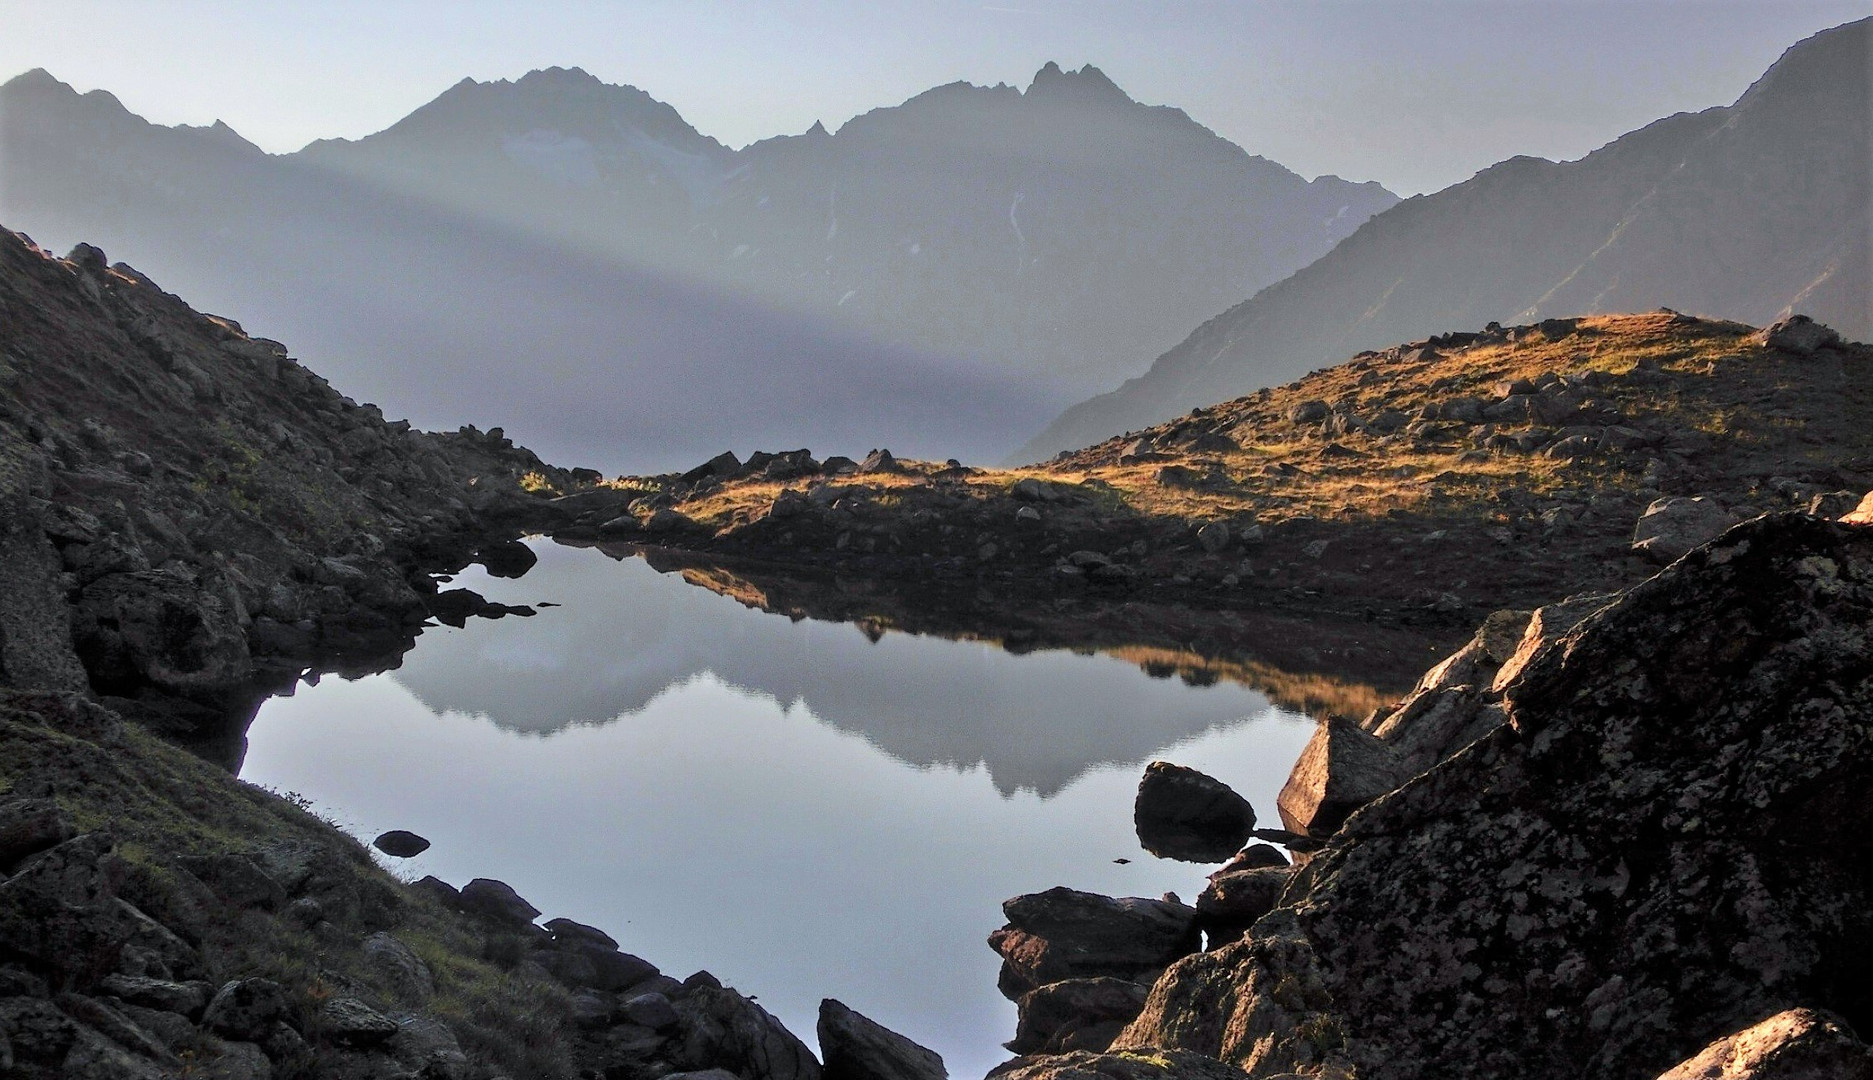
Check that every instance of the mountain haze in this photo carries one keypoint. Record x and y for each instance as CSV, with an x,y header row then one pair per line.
x,y
577,261
1744,212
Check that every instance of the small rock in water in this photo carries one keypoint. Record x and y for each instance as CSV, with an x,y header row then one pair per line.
x,y
401,844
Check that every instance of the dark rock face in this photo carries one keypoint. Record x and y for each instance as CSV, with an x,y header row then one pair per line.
x,y
1181,813
1667,840
1076,1014
858,1048
721,1028
1066,934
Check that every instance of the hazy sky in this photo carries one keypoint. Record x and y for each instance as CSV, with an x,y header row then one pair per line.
x,y
1417,95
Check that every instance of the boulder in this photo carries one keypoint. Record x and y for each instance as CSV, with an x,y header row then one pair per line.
x,y
879,461
1067,934
1180,813
498,902
1232,902
858,1048
1341,769
720,1029
401,844
568,932
29,826
652,1010
1667,838
245,1010
1076,1014
1671,527
1797,334
1797,1044
1862,514
400,966
1213,537
1030,489
157,627
1252,857
723,466
185,999
1308,412
665,520
428,1048
351,1022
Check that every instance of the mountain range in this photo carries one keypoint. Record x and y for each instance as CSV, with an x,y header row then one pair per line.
x,y
573,257
1745,212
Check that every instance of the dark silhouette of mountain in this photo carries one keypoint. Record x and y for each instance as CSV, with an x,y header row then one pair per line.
x,y
616,288
1744,212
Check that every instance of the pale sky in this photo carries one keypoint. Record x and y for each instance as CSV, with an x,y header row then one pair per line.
x,y
1416,94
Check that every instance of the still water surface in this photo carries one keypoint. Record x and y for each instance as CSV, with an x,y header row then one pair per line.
x,y
801,810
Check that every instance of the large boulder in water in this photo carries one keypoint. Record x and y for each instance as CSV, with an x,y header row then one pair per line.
x,y
1669,836
1181,813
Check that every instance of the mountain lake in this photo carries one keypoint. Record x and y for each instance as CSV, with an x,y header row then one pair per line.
x,y
802,808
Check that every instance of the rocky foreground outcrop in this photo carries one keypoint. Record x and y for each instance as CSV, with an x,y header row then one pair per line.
x,y
159,920
1664,842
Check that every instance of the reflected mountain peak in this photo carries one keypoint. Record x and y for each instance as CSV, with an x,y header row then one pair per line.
x,y
1031,711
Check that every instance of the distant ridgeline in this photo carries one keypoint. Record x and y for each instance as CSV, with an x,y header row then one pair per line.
x,y
940,276
1747,212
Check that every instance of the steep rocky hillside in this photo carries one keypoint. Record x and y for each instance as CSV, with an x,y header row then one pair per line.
x,y
1746,212
192,517
944,274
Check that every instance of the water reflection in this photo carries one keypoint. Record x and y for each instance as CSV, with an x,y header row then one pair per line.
x,y
626,634
800,810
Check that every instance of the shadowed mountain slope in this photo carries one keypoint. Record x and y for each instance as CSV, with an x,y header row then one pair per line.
x,y
1744,212
941,275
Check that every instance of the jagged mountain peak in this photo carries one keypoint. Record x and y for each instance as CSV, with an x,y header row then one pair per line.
x,y
1088,84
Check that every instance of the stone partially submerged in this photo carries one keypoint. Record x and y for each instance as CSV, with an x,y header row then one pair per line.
x,y
1181,813
1668,836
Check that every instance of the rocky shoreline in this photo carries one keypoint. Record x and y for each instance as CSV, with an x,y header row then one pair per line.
x,y
1621,836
